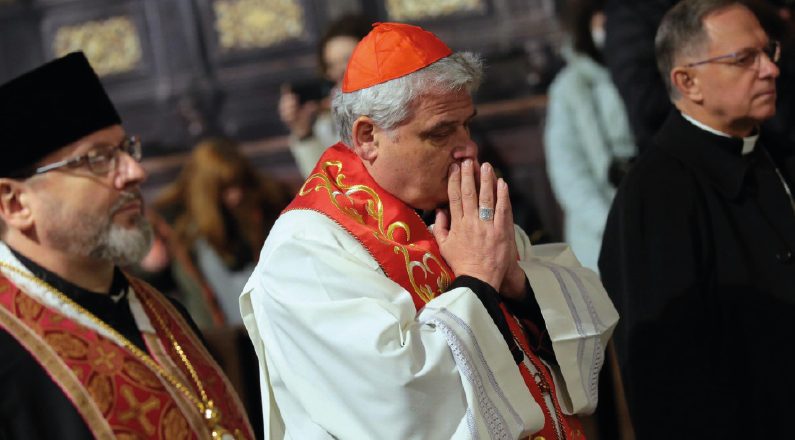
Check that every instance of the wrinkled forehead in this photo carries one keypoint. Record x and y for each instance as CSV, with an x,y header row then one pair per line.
x,y
435,108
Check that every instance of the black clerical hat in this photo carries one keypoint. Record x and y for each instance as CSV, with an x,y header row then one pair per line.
x,y
49,108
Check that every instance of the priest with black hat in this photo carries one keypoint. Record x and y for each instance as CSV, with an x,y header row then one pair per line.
x,y
87,350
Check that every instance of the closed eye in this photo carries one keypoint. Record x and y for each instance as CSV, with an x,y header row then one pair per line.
x,y
443,130
441,134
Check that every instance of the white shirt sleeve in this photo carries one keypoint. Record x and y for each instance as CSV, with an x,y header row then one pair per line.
x,y
578,314
344,353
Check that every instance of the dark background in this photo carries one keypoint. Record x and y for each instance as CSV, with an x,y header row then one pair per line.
x,y
179,70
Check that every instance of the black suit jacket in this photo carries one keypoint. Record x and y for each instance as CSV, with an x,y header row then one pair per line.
x,y
698,257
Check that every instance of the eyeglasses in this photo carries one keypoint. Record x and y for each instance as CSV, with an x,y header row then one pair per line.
x,y
746,58
100,160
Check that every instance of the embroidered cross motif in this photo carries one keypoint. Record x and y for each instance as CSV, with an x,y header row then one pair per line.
x,y
363,211
104,358
138,410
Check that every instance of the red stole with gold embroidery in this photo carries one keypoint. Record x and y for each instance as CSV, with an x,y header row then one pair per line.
x,y
117,394
341,188
391,231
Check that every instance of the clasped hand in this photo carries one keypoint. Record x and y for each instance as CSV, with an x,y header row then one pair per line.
x,y
480,247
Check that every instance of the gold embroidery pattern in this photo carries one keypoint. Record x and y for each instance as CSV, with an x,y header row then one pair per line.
x,y
140,375
400,10
204,404
28,309
138,409
69,379
256,24
102,391
112,45
174,425
105,358
78,371
67,345
375,209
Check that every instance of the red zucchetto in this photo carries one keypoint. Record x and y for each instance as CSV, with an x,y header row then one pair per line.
x,y
389,51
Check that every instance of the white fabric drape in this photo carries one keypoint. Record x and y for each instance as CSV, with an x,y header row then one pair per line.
x,y
344,354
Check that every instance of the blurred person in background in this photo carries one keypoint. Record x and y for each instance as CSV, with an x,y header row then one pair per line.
x,y
587,138
629,55
214,219
304,108
87,350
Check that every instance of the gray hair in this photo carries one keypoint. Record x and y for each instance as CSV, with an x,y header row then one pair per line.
x,y
682,33
391,103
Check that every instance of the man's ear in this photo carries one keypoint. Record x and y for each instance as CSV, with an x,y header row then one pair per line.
x,y
365,144
687,83
14,204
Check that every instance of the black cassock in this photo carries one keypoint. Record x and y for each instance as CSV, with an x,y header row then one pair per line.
x,y
698,258
32,406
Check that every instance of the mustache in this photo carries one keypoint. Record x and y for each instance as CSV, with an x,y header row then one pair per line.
x,y
125,198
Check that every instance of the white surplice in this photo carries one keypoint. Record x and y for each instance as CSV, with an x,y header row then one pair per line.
x,y
343,353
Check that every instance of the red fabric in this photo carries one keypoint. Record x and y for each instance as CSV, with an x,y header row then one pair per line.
x,y
542,384
389,51
342,189
215,382
131,397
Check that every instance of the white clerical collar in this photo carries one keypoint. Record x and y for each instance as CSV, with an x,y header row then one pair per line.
x,y
749,142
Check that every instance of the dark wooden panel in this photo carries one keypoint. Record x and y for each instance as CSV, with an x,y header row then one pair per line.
x,y
20,39
235,36
189,82
115,36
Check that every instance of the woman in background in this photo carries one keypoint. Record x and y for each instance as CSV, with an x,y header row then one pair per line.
x,y
587,138
215,218
309,118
